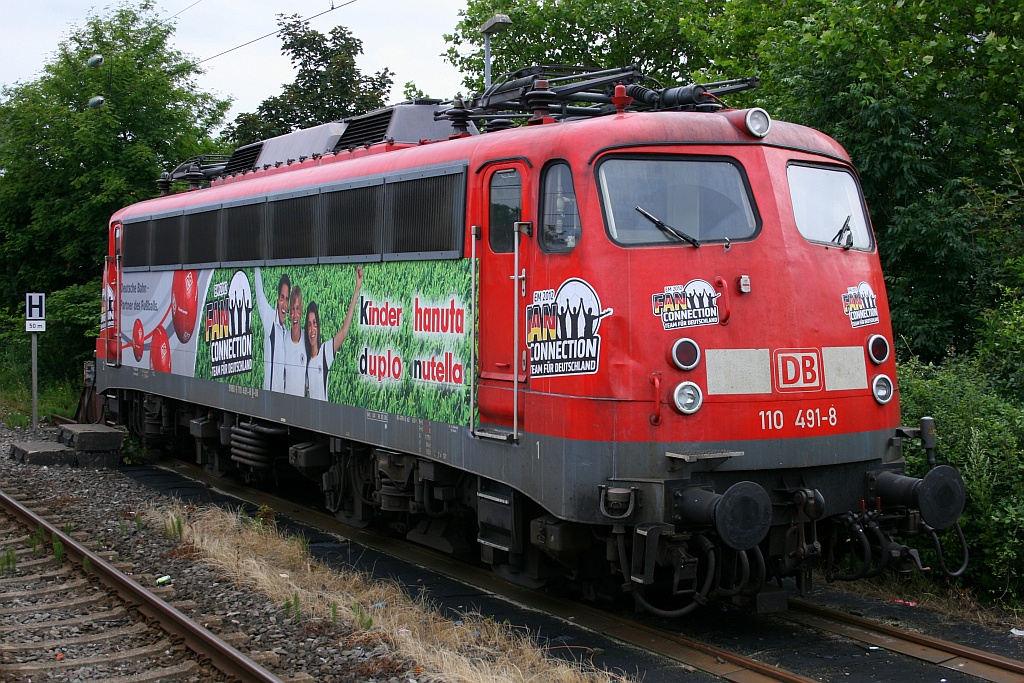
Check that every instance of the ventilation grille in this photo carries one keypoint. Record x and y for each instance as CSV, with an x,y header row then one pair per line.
x,y
243,159
166,241
135,244
201,230
352,222
293,225
365,130
423,215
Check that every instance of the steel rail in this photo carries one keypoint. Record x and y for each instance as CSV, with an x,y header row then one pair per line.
x,y
965,652
708,658
221,655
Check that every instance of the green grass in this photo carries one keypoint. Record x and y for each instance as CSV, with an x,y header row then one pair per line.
x,y
59,398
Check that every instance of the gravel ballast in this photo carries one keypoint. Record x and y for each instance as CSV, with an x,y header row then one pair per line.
x,y
101,505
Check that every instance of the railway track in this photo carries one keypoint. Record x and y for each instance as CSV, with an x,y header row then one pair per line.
x,y
689,652
983,665
61,622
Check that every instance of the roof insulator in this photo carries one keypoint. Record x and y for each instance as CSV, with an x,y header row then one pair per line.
x,y
163,183
621,100
540,100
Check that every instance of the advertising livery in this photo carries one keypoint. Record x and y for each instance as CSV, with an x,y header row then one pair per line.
x,y
379,336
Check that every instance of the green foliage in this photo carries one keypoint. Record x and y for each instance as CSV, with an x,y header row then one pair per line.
x,y
65,168
603,34
174,528
923,94
15,420
132,451
411,92
361,618
58,552
72,323
328,86
1000,348
981,435
8,562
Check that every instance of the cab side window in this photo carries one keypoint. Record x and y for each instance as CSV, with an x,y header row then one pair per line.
x,y
560,218
506,209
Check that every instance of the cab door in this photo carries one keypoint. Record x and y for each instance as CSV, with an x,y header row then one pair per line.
x,y
503,252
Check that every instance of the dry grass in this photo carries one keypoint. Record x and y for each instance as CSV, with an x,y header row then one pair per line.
x,y
471,650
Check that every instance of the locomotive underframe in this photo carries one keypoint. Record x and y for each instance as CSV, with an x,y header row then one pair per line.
x,y
621,525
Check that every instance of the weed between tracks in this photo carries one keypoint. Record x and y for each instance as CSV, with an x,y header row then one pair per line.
x,y
471,650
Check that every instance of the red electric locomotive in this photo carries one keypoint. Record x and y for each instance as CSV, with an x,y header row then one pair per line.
x,y
640,340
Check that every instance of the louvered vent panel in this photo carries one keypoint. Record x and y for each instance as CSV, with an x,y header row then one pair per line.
x,y
243,232
366,130
244,158
201,237
423,215
352,222
135,244
167,241
294,223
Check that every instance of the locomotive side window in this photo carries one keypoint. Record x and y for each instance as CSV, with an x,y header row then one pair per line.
x,y
828,206
684,200
506,209
560,217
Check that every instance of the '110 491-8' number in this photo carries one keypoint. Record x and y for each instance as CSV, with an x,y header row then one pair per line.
x,y
809,418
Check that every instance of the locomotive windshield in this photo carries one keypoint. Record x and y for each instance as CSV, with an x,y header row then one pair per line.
x,y
827,206
705,199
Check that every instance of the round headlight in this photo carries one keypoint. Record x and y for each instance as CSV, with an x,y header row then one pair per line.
x,y
688,398
878,349
758,122
685,354
882,388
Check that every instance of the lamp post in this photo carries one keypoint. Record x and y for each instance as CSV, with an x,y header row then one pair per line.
x,y
496,24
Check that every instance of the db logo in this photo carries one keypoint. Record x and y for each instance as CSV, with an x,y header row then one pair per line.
x,y
797,369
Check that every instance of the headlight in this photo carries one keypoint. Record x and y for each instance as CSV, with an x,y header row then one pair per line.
x,y
758,122
878,349
685,354
688,398
882,388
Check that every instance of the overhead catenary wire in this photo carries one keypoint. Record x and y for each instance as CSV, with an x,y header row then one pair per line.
x,y
274,33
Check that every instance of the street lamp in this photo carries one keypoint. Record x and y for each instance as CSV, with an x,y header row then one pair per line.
x,y
496,24
95,62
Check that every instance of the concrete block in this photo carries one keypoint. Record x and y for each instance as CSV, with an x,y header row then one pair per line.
x,y
89,437
43,453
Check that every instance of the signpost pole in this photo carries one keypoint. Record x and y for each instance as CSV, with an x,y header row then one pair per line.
x,y
35,385
35,321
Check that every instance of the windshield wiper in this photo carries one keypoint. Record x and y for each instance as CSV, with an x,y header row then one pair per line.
x,y
668,229
848,232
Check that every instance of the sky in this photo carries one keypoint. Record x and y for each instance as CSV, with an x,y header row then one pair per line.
x,y
402,35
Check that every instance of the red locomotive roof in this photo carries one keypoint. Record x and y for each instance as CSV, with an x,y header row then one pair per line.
x,y
577,141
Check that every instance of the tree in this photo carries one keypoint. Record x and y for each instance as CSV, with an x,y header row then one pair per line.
x,y
603,34
327,87
65,168
926,96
